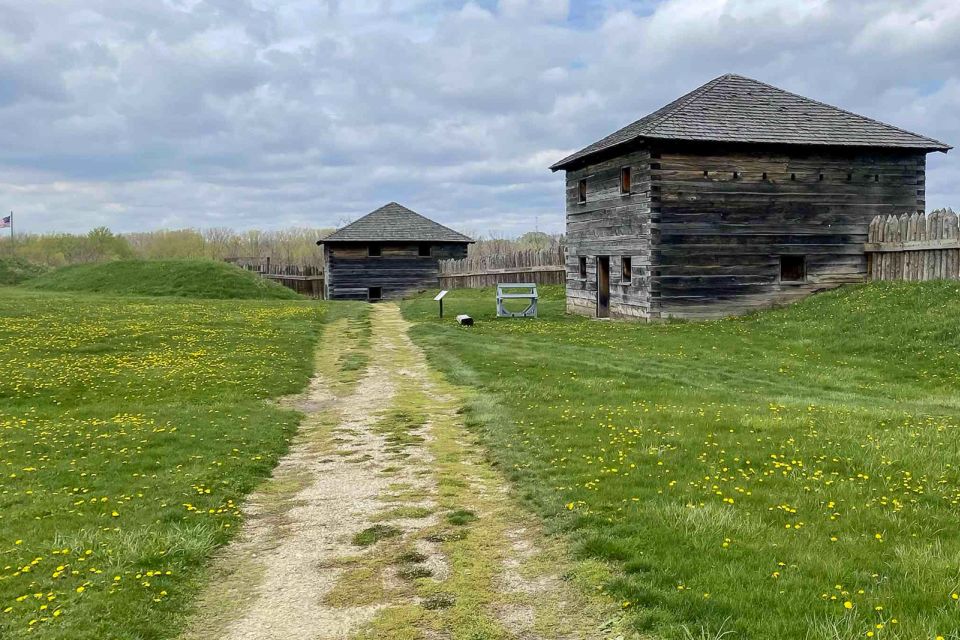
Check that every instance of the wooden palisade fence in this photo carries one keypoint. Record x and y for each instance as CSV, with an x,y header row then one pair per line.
x,y
307,280
538,267
914,247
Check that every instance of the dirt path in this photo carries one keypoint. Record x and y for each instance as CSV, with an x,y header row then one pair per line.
x,y
385,522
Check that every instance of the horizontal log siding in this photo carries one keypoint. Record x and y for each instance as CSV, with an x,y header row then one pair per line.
x,y
719,239
398,271
610,224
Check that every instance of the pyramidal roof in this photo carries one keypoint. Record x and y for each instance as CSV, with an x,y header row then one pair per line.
x,y
394,222
733,108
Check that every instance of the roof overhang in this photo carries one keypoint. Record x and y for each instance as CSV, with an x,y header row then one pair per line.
x,y
394,240
577,161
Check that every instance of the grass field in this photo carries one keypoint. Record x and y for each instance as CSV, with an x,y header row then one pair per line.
x,y
130,430
182,278
792,474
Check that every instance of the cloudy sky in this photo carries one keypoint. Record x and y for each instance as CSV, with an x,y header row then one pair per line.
x,y
147,114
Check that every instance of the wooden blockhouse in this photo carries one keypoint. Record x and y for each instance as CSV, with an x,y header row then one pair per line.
x,y
388,253
737,195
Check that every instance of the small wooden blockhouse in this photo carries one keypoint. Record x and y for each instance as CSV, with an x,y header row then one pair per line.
x,y
735,196
387,253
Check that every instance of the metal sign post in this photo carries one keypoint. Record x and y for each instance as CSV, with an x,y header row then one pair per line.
x,y
439,299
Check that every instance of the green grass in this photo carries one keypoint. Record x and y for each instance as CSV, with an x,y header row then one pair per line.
x,y
374,534
751,475
461,517
130,431
17,270
183,278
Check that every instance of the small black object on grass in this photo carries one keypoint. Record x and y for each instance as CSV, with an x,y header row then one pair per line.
x,y
374,534
465,320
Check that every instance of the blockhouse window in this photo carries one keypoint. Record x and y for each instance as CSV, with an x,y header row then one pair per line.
x,y
583,267
626,268
793,176
849,177
582,192
764,177
876,177
736,175
624,181
423,250
374,251
375,293
820,177
706,174
793,268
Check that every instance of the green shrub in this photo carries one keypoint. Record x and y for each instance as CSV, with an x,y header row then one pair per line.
x,y
16,270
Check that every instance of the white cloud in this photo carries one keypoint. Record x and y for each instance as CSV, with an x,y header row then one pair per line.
x,y
535,9
260,113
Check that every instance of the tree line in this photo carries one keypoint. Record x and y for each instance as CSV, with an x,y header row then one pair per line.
x,y
292,246
285,246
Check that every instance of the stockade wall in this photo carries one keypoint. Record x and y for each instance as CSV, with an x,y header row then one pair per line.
x,y
538,267
268,266
536,275
307,280
914,247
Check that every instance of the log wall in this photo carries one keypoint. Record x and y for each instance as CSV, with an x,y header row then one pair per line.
x,y
707,225
727,215
399,271
610,224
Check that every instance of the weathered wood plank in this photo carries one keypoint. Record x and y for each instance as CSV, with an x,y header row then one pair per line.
x,y
921,246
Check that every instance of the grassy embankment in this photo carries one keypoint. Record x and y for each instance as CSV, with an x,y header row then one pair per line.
x,y
182,278
791,474
130,430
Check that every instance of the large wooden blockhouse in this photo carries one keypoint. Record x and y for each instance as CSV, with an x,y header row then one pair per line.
x,y
387,253
735,196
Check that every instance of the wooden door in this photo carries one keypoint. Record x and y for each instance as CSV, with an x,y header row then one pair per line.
x,y
603,286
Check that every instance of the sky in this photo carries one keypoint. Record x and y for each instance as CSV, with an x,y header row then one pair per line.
x,y
153,114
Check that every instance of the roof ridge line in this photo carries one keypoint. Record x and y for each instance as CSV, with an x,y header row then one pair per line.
x,y
849,113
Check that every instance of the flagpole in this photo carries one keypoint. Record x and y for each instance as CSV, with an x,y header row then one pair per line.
x,y
13,250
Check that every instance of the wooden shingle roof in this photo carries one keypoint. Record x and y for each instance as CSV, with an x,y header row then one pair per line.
x,y
733,108
394,222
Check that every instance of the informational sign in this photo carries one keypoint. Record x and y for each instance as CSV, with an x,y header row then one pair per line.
x,y
439,299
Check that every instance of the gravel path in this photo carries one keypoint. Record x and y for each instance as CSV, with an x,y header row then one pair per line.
x,y
283,576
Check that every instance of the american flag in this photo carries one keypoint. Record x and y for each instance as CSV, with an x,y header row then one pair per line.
x,y
6,222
